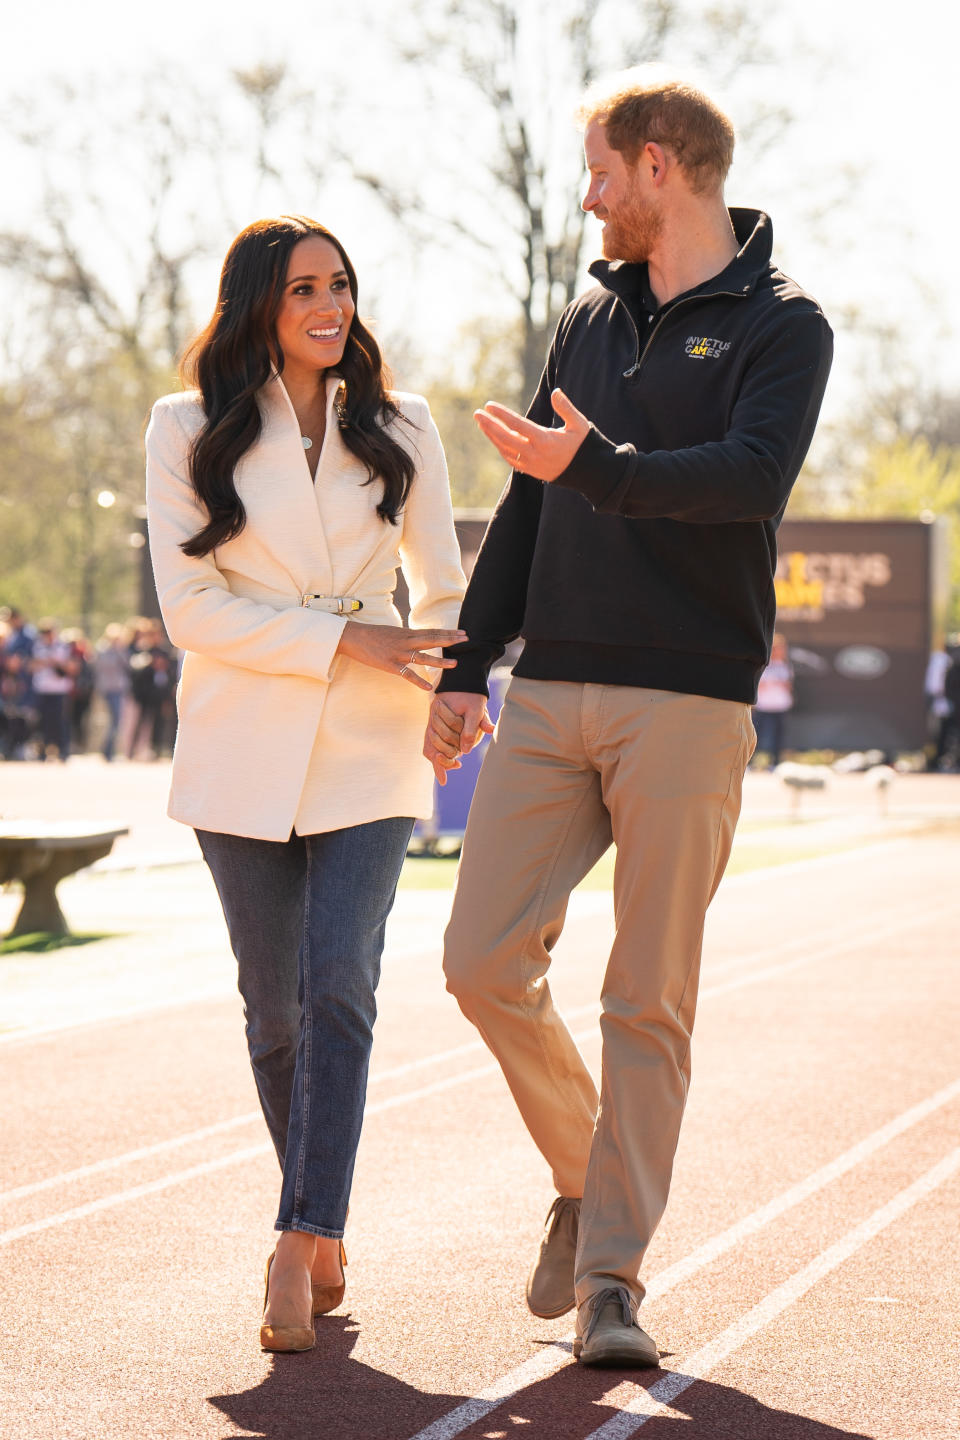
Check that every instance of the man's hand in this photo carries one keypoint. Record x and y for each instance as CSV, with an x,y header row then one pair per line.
x,y
457,721
535,449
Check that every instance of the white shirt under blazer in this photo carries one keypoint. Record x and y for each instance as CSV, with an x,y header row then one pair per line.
x,y
276,731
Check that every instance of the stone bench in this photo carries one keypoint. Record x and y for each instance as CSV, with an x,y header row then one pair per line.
x,y
40,854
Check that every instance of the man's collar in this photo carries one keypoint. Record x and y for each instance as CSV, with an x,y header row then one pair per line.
x,y
754,234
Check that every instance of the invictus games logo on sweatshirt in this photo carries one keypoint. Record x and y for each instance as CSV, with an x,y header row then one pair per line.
x,y
701,347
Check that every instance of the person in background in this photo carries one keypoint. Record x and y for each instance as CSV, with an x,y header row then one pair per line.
x,y
20,637
774,701
943,698
81,656
152,682
111,679
17,710
53,669
284,490
939,709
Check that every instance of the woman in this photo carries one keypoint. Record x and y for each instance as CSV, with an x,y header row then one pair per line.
x,y
111,679
774,701
282,493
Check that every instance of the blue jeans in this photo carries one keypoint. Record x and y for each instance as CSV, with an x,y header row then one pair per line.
x,y
307,918
113,699
54,711
769,725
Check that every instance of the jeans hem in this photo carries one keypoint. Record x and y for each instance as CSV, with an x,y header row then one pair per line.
x,y
321,1230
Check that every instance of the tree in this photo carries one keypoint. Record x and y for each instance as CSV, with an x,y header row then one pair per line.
x,y
71,489
115,222
138,185
126,206
899,475
920,481
506,76
486,369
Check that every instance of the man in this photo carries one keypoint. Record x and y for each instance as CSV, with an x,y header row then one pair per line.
x,y
17,712
634,550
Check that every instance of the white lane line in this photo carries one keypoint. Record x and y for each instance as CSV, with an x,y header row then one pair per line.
x,y
222,990
815,940
709,992
235,1157
66,1177
813,950
121,1197
859,941
705,1254
539,1367
649,1403
145,1152
470,1047
587,903
107,1202
124,1012
547,1361
800,944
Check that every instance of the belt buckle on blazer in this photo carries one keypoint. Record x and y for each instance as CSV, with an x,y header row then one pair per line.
x,y
346,604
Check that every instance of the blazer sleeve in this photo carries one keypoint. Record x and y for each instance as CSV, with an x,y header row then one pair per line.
x,y
199,610
429,550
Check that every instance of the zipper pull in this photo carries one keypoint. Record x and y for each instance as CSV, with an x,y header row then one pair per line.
x,y
629,374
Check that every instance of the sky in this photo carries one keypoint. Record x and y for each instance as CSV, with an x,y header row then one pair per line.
x,y
871,84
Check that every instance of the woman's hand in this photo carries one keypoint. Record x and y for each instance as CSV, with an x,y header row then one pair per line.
x,y
395,649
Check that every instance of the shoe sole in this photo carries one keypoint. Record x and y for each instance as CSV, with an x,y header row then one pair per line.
x,y
615,1355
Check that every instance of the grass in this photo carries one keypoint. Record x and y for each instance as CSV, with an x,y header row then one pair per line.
x,y
439,874
432,874
43,941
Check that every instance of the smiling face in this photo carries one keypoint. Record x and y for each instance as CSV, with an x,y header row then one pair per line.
x,y
632,222
317,309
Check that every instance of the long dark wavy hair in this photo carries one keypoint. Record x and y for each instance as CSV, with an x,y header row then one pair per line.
x,y
234,356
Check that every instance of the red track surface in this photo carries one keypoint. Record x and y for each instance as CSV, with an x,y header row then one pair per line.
x,y
830,1008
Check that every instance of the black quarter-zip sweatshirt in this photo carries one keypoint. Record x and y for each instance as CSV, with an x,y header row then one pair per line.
x,y
649,561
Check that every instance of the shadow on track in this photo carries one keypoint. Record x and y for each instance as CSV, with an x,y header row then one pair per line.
x,y
569,1405
323,1394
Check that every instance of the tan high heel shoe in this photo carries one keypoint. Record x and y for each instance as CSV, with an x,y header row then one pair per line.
x,y
283,1337
328,1297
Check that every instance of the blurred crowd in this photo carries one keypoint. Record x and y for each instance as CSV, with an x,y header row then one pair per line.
x,y
62,693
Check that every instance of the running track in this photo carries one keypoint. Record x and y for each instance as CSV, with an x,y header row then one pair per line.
x,y
805,1283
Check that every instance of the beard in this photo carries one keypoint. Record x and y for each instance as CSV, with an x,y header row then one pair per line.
x,y
632,233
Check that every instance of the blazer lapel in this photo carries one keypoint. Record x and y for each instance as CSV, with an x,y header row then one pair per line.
x,y
274,483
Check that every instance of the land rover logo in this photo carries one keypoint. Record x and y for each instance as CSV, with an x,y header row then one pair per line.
x,y
862,662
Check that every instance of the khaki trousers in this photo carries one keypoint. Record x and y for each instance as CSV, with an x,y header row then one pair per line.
x,y
571,768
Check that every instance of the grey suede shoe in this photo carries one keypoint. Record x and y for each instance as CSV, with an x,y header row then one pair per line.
x,y
612,1337
550,1289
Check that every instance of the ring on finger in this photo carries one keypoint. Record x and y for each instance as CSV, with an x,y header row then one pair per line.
x,y
516,460
404,669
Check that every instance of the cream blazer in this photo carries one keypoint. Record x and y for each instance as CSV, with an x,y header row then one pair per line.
x,y
276,731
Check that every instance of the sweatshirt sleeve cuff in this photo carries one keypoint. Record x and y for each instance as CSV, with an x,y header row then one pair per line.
x,y
470,675
597,470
